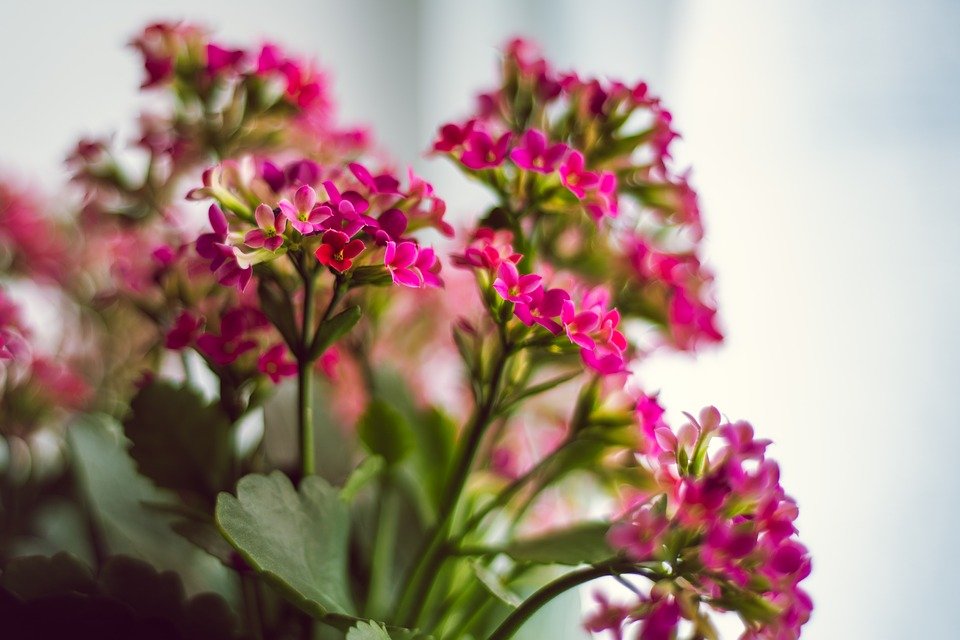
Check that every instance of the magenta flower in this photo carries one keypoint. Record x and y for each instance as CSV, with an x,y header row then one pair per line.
x,y
302,214
481,152
231,274
382,183
275,365
400,259
601,201
534,154
575,177
271,225
514,287
452,136
544,309
223,351
338,250
219,59
390,226
184,331
210,245
428,265
488,249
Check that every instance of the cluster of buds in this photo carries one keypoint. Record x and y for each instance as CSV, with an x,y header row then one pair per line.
x,y
718,525
353,222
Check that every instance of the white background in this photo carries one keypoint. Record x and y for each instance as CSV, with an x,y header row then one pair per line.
x,y
824,138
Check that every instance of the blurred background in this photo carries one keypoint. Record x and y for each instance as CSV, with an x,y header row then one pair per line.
x,y
824,142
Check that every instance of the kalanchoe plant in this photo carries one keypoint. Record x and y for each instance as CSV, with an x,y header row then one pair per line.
x,y
284,364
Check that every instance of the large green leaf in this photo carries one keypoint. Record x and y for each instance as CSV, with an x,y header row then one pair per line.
x,y
333,329
385,432
368,630
580,544
116,494
296,540
179,441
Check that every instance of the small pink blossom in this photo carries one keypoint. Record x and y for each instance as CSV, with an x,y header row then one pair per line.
x,y
482,152
275,364
269,234
544,308
302,214
400,260
575,177
382,183
184,331
338,250
452,136
535,154
514,287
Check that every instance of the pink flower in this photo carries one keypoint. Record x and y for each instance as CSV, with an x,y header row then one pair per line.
x,y
487,250
345,212
601,200
544,308
271,225
301,213
275,365
219,59
184,331
428,265
383,183
452,136
534,154
575,177
400,260
338,250
211,245
481,152
221,350
390,226
514,287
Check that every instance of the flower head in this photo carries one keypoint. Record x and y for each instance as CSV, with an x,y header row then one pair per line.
x,y
338,250
269,231
535,154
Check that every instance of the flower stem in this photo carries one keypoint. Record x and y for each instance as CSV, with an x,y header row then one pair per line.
x,y
512,623
305,380
435,550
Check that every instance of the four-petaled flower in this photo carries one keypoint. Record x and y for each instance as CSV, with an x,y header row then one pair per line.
x,y
271,225
514,287
575,177
338,250
275,365
481,152
534,154
400,259
301,213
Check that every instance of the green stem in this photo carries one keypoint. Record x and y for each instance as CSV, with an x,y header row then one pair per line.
x,y
305,380
381,570
248,584
435,550
512,623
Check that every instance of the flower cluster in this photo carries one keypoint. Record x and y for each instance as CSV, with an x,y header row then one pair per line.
x,y
348,216
552,145
722,523
30,244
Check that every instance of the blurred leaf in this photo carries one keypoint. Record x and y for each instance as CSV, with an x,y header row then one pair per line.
x,y
275,304
368,630
297,541
59,597
495,585
333,329
581,544
179,441
367,470
206,536
114,492
385,432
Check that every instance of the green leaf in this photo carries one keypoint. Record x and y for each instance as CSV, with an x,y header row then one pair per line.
x,y
206,536
581,544
275,303
33,577
116,494
368,630
495,585
296,540
385,432
333,329
366,471
179,441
